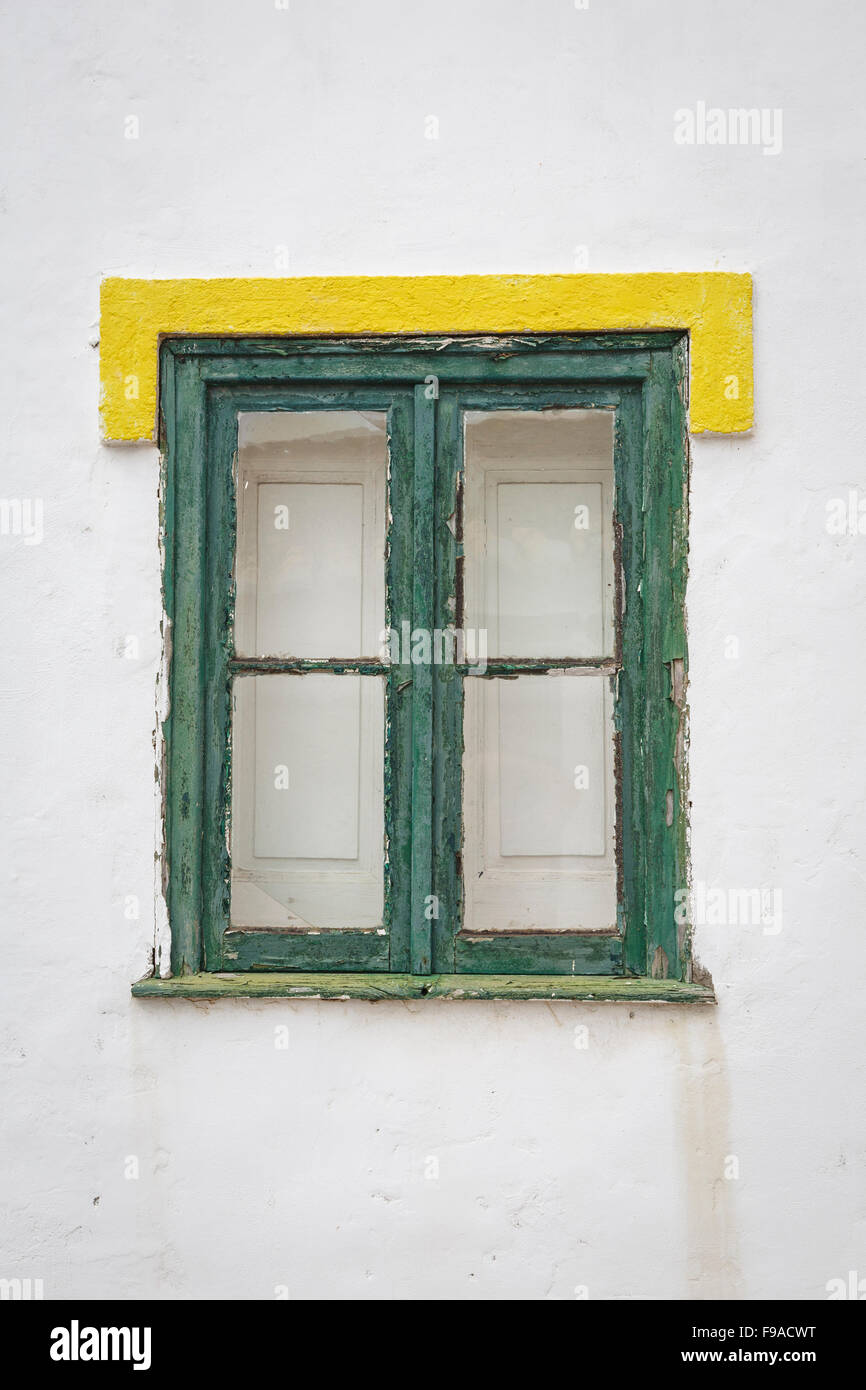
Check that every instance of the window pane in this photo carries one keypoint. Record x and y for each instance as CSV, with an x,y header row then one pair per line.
x,y
311,533
539,817
547,729
538,530
308,801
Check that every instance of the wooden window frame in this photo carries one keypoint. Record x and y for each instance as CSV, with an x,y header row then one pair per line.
x,y
204,384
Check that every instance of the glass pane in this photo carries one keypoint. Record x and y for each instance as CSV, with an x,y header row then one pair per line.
x,y
547,729
311,533
539,850
308,801
538,532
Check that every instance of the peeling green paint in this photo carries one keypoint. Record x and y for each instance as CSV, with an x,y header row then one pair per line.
x,y
642,378
561,988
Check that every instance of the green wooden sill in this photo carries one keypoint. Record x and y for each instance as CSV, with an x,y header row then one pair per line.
x,y
265,985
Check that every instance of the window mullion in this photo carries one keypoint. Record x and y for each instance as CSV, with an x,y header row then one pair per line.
x,y
420,932
447,688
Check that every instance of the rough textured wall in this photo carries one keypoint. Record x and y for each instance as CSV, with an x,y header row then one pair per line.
x,y
295,142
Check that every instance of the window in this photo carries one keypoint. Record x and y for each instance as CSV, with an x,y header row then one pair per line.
x,y
427,662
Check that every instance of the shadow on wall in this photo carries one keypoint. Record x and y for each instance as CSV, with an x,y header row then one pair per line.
x,y
709,1168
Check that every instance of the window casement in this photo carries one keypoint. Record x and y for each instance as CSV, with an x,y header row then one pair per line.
x,y
426,729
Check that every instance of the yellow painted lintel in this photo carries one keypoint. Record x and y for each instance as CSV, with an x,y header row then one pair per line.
x,y
715,307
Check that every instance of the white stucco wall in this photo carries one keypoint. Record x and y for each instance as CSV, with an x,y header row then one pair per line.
x,y
559,1166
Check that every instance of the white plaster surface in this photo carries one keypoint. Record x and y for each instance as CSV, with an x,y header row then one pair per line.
x,y
559,1167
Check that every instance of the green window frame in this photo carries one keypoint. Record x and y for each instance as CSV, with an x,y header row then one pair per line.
x,y
424,385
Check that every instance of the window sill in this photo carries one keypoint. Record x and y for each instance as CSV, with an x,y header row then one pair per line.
x,y
265,985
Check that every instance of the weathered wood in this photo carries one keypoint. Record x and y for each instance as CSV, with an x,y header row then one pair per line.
x,y
300,666
200,437
630,685
465,344
302,950
664,656
529,665
539,953
562,988
217,463
512,366
447,691
184,726
640,376
420,931
399,563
